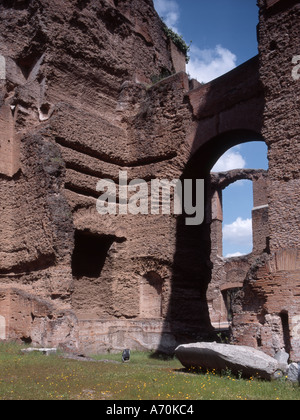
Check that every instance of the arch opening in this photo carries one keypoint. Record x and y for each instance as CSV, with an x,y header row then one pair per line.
x,y
90,254
238,225
242,188
205,157
198,269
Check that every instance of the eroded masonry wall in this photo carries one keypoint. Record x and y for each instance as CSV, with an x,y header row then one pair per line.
x,y
268,310
77,105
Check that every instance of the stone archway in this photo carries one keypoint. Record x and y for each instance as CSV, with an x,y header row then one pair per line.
x,y
226,112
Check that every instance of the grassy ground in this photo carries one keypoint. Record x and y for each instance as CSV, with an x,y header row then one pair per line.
x,y
38,377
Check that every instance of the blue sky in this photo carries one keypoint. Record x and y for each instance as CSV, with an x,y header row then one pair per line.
x,y
238,198
222,35
222,32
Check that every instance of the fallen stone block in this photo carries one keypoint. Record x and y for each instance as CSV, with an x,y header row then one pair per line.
x,y
293,373
282,357
237,359
45,351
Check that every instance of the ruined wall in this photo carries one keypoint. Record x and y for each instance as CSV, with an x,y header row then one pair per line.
x,y
77,105
74,111
229,274
268,312
35,321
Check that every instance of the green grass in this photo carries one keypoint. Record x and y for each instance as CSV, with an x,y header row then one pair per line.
x,y
38,377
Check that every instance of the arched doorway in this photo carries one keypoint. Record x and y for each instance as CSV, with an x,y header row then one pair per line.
x,y
194,262
239,224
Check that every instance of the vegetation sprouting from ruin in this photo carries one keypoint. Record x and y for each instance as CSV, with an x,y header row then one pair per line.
x,y
178,41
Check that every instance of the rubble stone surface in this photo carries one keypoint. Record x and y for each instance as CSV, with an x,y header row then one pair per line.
x,y
241,360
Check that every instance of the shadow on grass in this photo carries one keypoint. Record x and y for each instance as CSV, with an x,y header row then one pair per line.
x,y
158,355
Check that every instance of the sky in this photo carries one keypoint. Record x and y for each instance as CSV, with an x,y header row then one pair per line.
x,y
238,197
222,35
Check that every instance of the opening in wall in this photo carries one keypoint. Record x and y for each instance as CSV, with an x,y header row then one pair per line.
x,y
237,219
286,331
229,296
90,254
238,199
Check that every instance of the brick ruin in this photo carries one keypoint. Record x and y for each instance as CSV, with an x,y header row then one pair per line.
x,y
228,274
77,105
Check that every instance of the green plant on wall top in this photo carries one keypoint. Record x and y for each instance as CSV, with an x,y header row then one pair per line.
x,y
178,41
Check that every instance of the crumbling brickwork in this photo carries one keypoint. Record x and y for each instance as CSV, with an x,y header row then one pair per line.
x,y
75,95
268,313
229,274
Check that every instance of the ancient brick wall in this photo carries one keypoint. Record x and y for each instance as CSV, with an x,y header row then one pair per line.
x,y
273,322
77,105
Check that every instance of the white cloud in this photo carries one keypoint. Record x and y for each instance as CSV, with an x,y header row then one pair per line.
x,y
235,254
169,11
239,232
230,160
205,64
208,64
